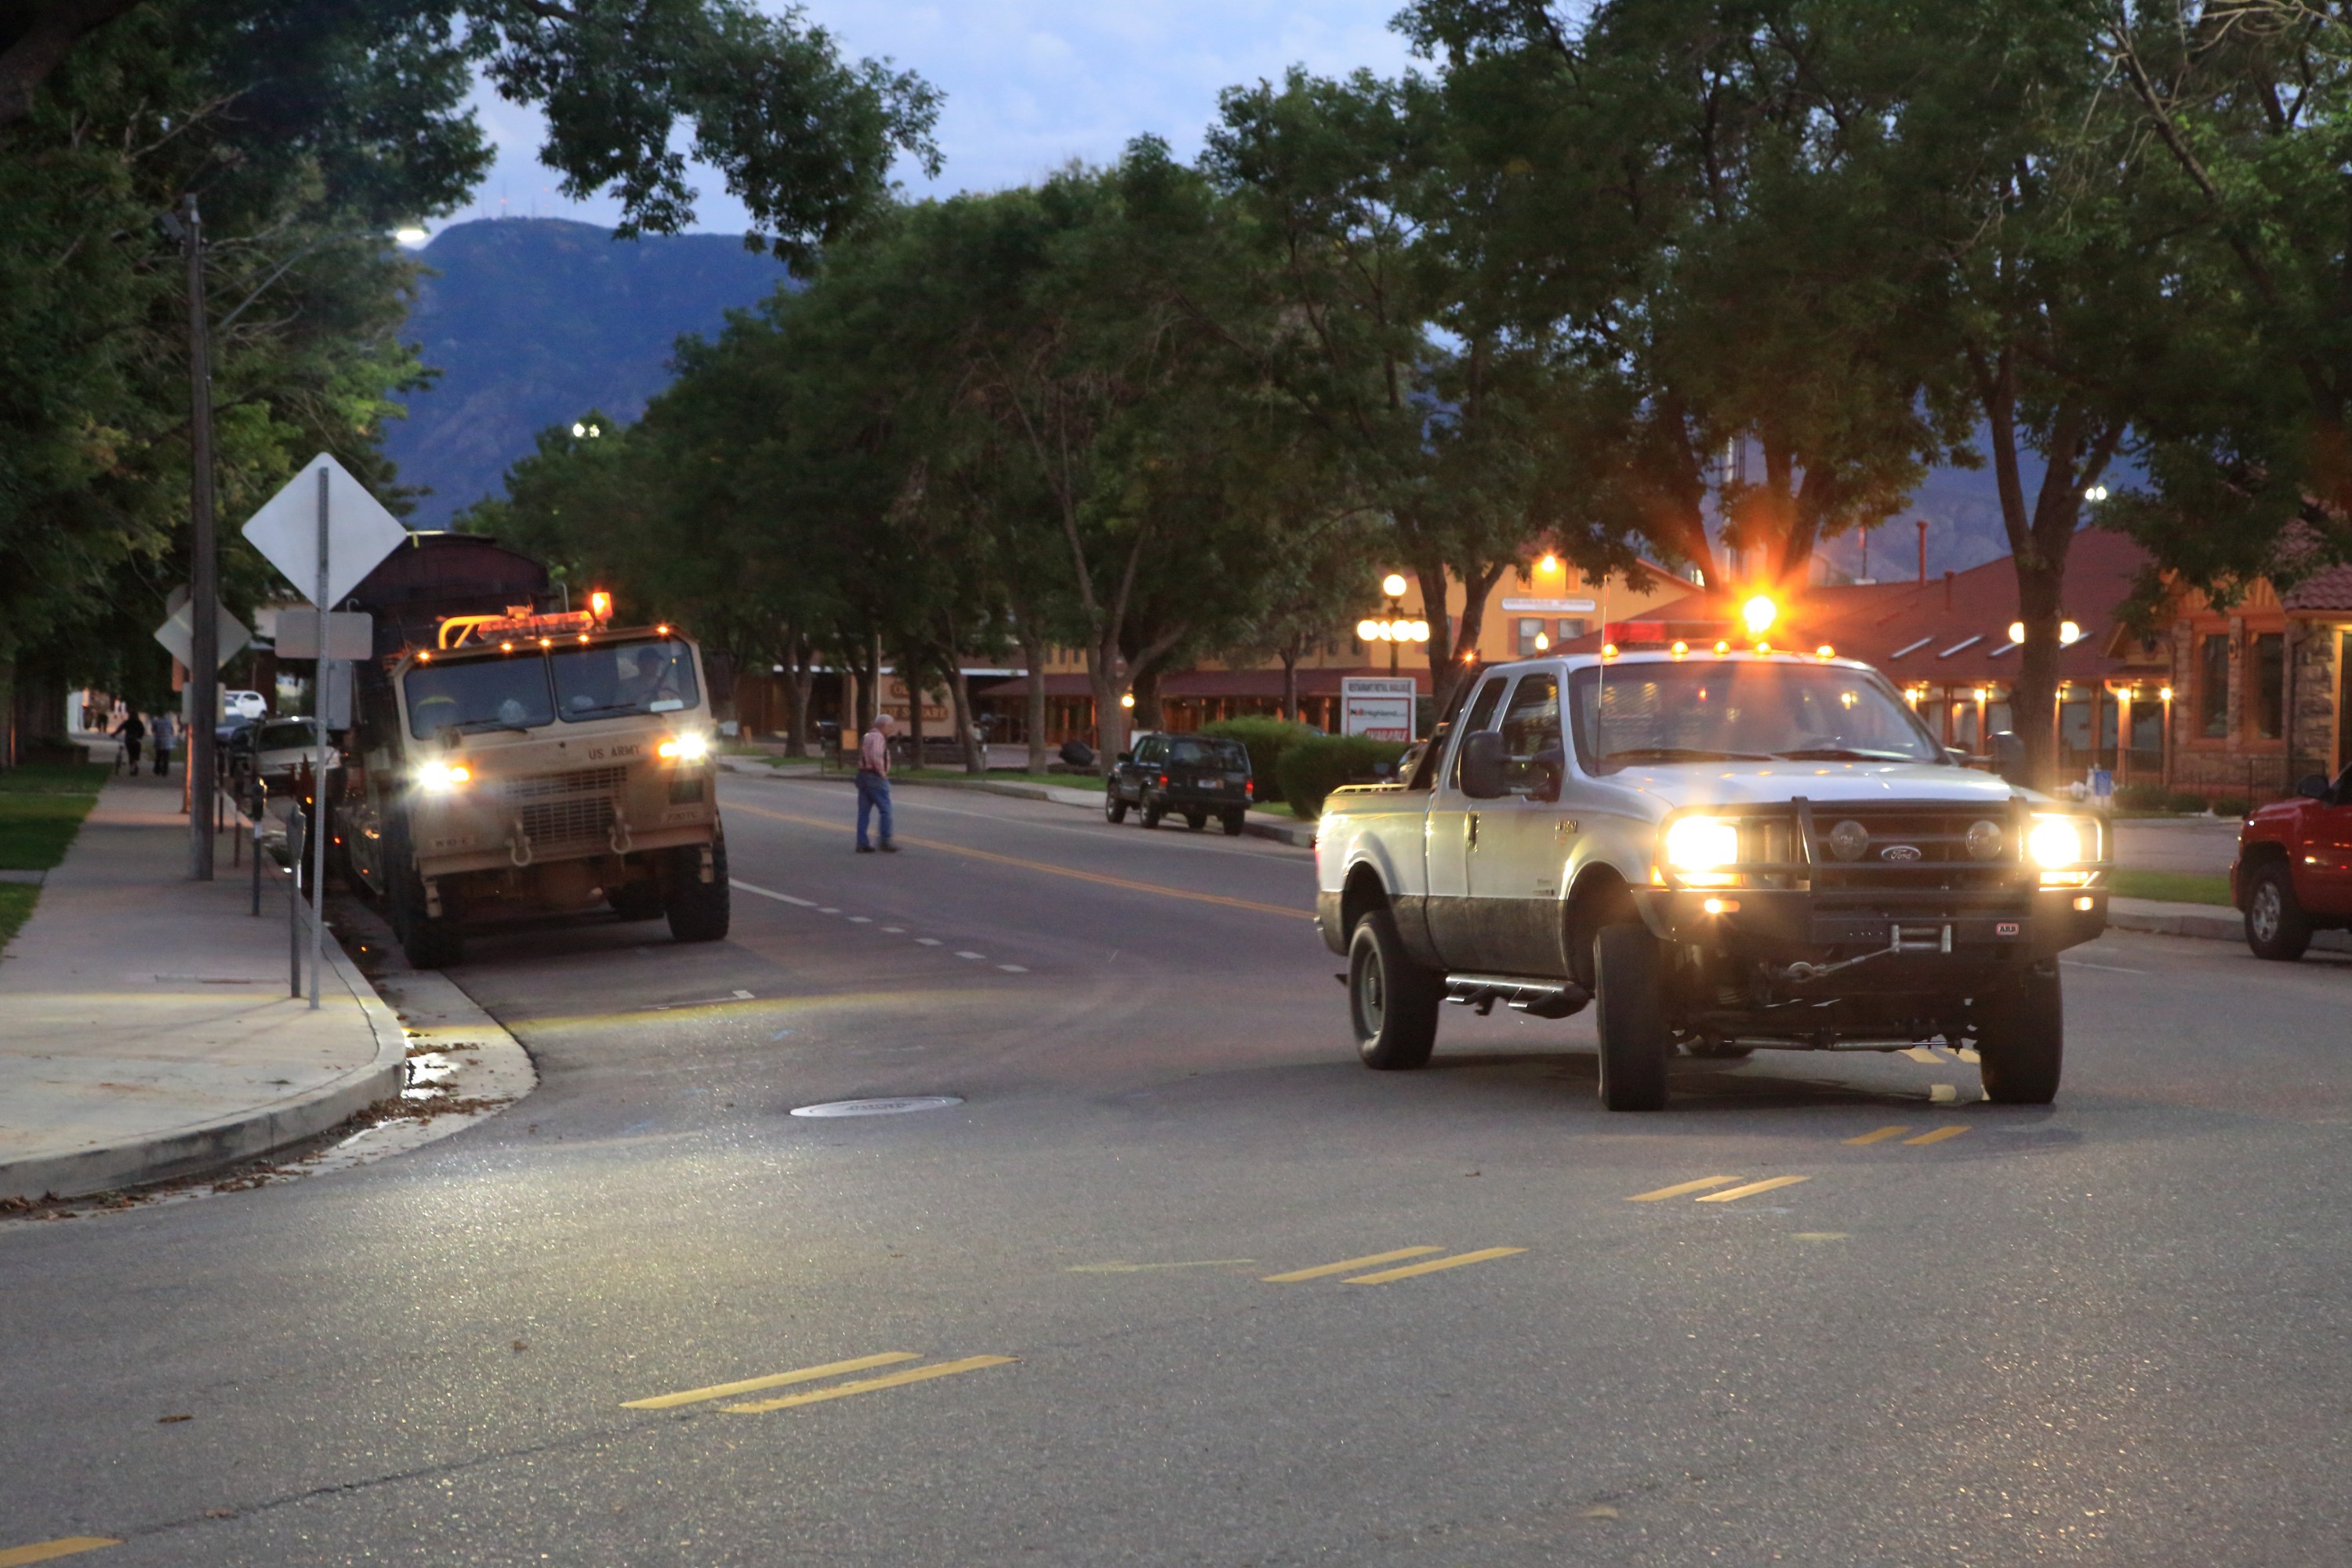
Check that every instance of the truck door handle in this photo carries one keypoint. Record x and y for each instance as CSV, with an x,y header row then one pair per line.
x,y
1474,830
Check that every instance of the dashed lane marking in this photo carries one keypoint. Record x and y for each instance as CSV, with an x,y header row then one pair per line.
x,y
778,1380
772,893
870,1384
1155,1268
43,1550
1938,1135
981,955
1679,1188
927,942
1013,968
1769,1184
1415,1270
1881,1135
1324,1270
1049,869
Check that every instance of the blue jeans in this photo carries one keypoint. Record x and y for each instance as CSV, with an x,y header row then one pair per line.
x,y
873,795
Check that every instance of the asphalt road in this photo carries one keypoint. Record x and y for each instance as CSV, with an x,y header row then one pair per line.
x,y
2115,1332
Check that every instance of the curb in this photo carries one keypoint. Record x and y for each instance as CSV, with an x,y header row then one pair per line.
x,y
2218,926
1298,835
228,1139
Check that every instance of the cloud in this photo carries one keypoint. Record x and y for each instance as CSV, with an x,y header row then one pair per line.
x,y
1030,84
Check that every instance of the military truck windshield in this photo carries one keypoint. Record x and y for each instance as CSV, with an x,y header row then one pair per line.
x,y
610,679
480,694
1704,711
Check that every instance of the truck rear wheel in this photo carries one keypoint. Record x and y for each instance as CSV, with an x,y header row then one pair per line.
x,y
2021,1039
1393,1001
2275,926
1233,821
1634,1043
699,910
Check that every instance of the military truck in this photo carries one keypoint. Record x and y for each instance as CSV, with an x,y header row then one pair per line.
x,y
525,760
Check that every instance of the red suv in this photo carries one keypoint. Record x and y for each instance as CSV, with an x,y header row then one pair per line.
x,y
2293,872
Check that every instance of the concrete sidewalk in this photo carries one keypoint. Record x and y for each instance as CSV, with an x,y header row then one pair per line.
x,y
145,1028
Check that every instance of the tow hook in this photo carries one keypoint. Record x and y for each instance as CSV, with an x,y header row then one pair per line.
x,y
1916,939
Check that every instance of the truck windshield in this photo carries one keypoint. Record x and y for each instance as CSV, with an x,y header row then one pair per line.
x,y
610,679
478,694
1632,714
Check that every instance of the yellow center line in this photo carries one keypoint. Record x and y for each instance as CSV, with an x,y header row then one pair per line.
x,y
868,1386
1330,1268
1047,867
753,1384
63,1546
1413,1270
1882,1135
1679,1188
1938,1135
1752,1188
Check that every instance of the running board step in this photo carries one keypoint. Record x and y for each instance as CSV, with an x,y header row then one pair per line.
x,y
1536,998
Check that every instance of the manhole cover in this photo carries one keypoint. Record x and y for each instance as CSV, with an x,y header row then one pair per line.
x,y
894,1107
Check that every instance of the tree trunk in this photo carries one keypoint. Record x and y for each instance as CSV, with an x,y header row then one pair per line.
x,y
975,759
1145,684
1110,718
802,656
910,676
1290,680
1033,656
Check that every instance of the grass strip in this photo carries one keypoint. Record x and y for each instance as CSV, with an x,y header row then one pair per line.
x,y
16,907
2173,886
41,808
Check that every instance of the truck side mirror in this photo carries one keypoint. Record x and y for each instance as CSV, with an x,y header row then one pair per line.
x,y
2009,755
2314,786
1483,761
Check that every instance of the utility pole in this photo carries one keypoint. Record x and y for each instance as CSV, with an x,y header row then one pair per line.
x,y
204,577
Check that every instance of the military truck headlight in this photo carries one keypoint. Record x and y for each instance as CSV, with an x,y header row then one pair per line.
x,y
2055,843
690,747
1698,844
439,777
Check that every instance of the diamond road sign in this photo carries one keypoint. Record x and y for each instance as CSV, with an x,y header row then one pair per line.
x,y
360,532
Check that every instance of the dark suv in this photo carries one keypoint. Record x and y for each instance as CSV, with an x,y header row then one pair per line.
x,y
1195,777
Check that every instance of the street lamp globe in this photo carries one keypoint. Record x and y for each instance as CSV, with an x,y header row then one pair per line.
x,y
1393,585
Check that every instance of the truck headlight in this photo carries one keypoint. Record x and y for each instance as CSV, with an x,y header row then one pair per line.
x,y
1698,844
2054,844
441,776
690,747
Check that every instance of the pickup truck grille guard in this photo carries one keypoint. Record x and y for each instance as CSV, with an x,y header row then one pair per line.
x,y
1895,934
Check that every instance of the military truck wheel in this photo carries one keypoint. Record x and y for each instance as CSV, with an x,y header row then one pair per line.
x,y
637,900
1196,820
1634,1043
698,910
2021,1039
1152,814
2276,927
1393,1001
1114,809
1233,820
427,942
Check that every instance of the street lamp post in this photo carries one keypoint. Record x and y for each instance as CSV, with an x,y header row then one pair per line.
x,y
1393,630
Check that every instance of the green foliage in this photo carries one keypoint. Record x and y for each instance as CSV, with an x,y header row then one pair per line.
x,y
2172,887
41,808
1266,739
16,901
1318,764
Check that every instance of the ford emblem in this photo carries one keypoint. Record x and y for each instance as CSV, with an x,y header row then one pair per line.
x,y
1902,852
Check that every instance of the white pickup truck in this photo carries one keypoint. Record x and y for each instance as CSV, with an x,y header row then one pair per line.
x,y
1727,850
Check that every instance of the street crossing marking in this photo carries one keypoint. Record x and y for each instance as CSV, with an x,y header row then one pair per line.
x,y
1938,1135
1415,1270
1768,1185
1327,1269
870,1384
63,1546
1922,1054
1679,1188
1046,867
1881,1136
753,1384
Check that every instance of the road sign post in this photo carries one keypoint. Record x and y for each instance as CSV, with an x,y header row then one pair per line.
x,y
324,533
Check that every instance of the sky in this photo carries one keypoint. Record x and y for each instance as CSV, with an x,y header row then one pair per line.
x,y
1030,84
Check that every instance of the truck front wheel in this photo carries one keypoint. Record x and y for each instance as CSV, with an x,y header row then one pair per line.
x,y
699,910
1630,965
2022,1038
1393,1001
426,941
2275,926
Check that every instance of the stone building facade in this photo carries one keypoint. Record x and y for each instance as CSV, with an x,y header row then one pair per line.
x,y
2261,688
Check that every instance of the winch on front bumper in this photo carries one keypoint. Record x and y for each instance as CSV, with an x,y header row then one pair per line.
x,y
1842,922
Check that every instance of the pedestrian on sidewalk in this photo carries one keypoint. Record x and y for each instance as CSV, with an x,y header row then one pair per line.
x,y
874,783
131,731
159,742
